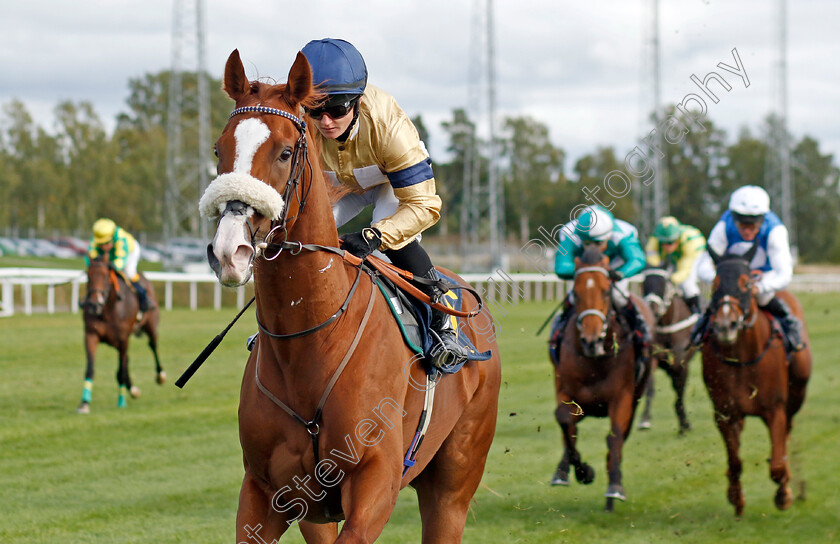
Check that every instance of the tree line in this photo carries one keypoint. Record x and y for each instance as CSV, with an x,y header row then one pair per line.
x,y
62,180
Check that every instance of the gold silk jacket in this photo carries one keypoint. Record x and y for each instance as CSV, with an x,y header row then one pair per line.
x,y
384,147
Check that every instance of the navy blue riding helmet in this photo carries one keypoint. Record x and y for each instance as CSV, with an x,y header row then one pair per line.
x,y
337,68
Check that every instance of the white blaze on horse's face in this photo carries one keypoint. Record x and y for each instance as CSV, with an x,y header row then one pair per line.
x,y
250,134
232,245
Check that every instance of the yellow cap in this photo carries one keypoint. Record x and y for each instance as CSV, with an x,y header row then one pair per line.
x,y
103,231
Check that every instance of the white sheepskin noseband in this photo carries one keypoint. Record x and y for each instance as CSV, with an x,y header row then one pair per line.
x,y
244,187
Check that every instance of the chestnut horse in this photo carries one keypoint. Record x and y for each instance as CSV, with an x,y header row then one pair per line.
x,y
748,372
110,316
596,373
672,338
331,397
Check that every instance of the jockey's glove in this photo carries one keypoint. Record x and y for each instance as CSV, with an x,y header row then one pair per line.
x,y
361,244
615,275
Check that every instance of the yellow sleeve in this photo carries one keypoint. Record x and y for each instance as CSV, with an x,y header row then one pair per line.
x,y
692,244
652,252
418,209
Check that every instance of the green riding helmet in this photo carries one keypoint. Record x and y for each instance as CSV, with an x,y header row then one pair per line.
x,y
667,230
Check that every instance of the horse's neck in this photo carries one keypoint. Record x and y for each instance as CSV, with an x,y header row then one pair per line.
x,y
753,339
298,291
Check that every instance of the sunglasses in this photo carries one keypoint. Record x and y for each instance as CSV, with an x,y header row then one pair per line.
x,y
335,112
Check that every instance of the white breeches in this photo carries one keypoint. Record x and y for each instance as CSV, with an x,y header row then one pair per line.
x,y
131,261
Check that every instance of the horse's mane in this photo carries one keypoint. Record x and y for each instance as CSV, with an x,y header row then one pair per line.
x,y
591,255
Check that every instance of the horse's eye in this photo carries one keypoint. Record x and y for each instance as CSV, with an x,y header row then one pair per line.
x,y
285,155
216,151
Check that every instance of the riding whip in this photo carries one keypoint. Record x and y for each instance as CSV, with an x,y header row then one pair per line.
x,y
211,347
553,312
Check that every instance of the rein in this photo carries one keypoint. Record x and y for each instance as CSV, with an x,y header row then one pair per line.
x,y
728,300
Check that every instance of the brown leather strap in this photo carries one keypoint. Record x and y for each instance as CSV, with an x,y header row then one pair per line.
x,y
401,278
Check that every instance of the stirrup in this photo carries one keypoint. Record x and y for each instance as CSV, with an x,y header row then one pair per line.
x,y
444,357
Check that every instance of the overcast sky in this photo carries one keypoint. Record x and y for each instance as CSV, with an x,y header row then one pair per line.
x,y
579,67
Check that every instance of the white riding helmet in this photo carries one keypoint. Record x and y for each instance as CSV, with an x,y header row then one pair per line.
x,y
749,200
595,224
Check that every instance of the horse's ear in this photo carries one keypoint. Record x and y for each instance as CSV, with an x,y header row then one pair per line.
x,y
299,86
748,256
236,83
715,257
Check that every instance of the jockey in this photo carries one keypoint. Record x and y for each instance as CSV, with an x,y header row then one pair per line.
x,y
747,221
618,241
370,146
123,254
676,247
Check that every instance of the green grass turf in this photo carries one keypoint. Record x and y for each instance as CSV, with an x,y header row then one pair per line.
x,y
168,467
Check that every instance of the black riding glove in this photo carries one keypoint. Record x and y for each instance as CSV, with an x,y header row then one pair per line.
x,y
615,275
362,244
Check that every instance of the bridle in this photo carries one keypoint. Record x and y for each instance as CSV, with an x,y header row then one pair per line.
x,y
95,308
605,318
300,162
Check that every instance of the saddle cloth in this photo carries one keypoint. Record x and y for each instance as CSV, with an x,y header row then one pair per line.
x,y
414,318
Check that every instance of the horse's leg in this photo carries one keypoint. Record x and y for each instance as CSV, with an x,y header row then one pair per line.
x,y
777,424
449,481
730,429
318,533
151,331
123,377
91,343
368,497
256,520
650,392
798,374
679,378
567,414
621,418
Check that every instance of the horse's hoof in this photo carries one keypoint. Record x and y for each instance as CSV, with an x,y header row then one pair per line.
x,y
784,498
135,391
609,506
561,477
84,408
685,428
161,377
615,491
584,474
644,424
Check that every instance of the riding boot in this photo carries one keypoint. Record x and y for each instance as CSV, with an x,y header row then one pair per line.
x,y
142,295
446,352
641,336
791,325
694,304
555,339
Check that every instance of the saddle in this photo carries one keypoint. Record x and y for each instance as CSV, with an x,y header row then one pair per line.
x,y
411,309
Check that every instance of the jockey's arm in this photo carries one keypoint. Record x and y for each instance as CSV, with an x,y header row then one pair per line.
x,y
706,270
418,209
564,259
781,262
120,252
652,252
691,249
405,161
631,251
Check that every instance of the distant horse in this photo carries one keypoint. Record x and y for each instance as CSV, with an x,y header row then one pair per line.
x,y
110,316
331,397
595,374
672,337
748,373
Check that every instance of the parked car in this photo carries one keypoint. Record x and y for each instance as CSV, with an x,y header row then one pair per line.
x,y
44,248
77,245
9,246
181,251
